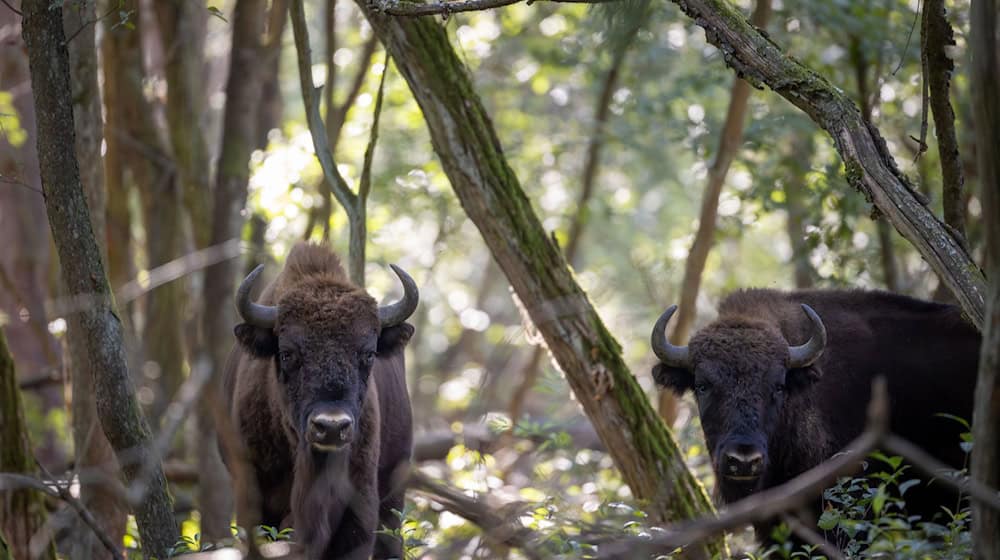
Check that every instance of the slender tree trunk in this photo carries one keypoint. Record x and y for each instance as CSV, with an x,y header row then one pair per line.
x,y
26,257
83,272
602,111
93,451
887,254
182,25
22,512
938,38
271,103
471,156
239,138
795,206
985,68
730,140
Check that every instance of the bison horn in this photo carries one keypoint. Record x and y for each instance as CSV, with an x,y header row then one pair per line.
x,y
807,354
255,314
673,356
395,313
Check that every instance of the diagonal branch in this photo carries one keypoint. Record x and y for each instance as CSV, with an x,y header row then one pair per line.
x,y
311,99
869,166
409,8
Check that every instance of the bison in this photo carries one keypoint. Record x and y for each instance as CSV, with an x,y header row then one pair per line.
x,y
317,391
782,380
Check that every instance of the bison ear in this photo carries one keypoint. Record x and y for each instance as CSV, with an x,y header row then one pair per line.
x,y
799,379
393,339
258,342
677,380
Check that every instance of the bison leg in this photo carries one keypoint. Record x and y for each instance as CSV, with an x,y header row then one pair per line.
x,y
355,536
388,542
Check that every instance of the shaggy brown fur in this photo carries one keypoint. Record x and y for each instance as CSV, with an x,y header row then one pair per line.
x,y
316,355
798,418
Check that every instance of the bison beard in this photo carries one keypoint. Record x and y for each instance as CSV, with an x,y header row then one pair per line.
x,y
782,380
317,390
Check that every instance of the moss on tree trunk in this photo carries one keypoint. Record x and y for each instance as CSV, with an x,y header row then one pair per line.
x,y
589,356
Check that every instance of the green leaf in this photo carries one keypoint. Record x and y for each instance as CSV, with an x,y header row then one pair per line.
x,y
879,501
217,13
829,519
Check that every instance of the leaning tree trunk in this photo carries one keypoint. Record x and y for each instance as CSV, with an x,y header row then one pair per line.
x,y
83,273
869,165
589,356
986,418
93,452
730,140
22,512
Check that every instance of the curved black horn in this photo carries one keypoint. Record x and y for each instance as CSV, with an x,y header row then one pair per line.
x,y
395,313
807,354
255,314
673,356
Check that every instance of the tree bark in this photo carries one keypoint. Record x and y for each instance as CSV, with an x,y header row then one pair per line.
x,y
870,167
985,68
182,25
26,261
83,271
271,103
730,140
240,136
92,450
887,253
470,152
795,206
938,38
22,512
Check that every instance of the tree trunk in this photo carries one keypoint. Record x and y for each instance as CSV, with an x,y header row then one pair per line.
x,y
26,258
22,512
985,68
867,103
240,136
870,167
182,25
92,449
271,103
938,38
83,272
471,156
795,206
730,140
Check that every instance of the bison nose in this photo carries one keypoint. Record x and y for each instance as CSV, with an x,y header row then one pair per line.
x,y
330,431
743,462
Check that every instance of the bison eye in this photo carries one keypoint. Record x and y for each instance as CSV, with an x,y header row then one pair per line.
x,y
367,359
287,359
701,389
779,389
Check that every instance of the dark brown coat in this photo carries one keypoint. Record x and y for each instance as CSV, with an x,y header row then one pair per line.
x,y
751,403
325,354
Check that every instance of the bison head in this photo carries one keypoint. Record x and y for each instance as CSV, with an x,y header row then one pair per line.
x,y
324,335
741,370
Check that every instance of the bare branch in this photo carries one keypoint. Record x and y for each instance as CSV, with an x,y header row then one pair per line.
x,y
12,481
495,527
406,8
771,502
310,99
942,473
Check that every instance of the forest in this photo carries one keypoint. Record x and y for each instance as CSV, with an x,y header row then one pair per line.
x,y
477,279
